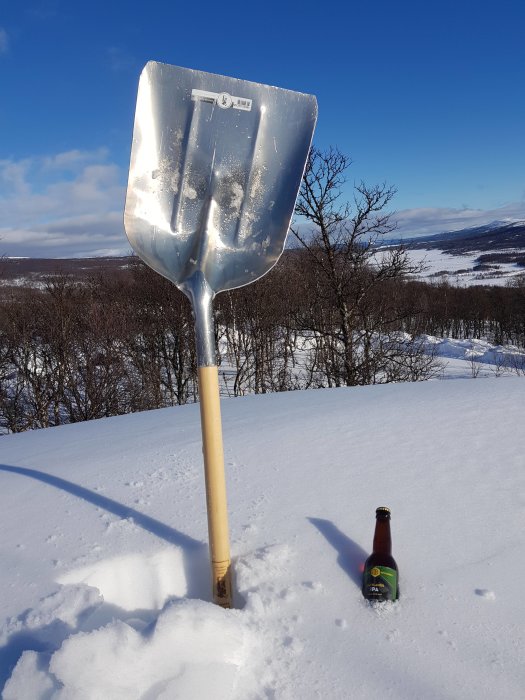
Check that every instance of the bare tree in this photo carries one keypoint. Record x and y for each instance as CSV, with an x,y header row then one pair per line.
x,y
341,239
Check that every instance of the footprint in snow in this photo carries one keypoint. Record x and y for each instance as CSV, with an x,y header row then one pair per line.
x,y
485,593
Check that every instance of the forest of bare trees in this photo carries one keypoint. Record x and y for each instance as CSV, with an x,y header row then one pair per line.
x,y
74,351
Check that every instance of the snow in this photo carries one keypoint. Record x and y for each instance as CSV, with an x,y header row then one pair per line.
x,y
475,357
458,269
104,579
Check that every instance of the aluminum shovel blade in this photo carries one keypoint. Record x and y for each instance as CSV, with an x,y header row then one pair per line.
x,y
216,165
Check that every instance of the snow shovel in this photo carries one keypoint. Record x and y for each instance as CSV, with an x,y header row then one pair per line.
x,y
216,165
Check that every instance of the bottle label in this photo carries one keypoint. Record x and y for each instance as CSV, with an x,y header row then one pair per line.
x,y
380,583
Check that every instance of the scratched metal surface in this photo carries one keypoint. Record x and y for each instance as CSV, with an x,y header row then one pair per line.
x,y
216,164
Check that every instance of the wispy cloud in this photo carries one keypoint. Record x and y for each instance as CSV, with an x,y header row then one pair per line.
x,y
43,9
70,204
74,159
120,60
66,204
424,221
4,41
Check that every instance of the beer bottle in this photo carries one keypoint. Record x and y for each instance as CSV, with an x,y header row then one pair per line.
x,y
380,577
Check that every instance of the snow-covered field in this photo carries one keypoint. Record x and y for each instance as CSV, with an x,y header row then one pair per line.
x,y
458,269
475,358
104,573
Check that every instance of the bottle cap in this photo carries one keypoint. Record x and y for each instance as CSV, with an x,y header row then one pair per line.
x,y
382,510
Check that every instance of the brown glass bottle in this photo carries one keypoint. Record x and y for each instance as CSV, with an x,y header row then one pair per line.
x,y
380,575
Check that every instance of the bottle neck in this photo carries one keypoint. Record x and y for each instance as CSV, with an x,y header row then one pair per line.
x,y
382,538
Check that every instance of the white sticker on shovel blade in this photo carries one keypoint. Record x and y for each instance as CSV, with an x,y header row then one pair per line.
x,y
222,99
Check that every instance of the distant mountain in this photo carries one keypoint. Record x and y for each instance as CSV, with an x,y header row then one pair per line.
x,y
493,254
496,236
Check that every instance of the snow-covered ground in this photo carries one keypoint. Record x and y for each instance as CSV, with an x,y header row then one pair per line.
x,y
458,269
104,574
475,358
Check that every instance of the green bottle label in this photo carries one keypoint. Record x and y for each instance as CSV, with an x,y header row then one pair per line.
x,y
380,583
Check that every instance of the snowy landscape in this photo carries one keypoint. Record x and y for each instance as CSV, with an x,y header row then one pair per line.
x,y
381,362
460,269
489,255
106,580
105,573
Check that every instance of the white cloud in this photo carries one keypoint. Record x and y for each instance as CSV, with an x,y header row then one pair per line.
x,y
74,159
13,176
424,221
4,41
70,204
61,205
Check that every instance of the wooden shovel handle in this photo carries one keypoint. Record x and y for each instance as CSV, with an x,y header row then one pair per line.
x,y
215,485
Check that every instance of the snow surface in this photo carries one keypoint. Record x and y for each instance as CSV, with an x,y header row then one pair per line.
x,y
442,266
104,572
473,357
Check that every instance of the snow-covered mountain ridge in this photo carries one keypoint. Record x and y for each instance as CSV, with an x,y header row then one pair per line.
x,y
493,254
498,234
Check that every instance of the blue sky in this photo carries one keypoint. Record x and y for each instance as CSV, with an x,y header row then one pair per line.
x,y
427,96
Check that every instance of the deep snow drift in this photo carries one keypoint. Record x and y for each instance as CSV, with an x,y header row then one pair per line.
x,y
104,573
